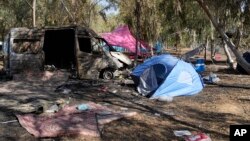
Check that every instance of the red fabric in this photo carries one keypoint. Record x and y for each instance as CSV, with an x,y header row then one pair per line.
x,y
68,121
198,137
122,37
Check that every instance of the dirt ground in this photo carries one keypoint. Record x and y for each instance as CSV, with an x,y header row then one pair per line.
x,y
212,111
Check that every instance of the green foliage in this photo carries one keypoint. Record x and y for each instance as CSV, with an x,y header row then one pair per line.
x,y
173,21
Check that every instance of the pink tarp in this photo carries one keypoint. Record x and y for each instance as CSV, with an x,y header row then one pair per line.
x,y
70,121
122,37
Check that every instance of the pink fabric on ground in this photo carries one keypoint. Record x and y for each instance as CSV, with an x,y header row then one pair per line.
x,y
70,121
122,37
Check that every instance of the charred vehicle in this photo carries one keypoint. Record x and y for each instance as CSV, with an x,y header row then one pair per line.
x,y
74,48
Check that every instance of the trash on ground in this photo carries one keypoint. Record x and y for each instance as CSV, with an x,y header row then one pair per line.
x,y
180,133
198,137
169,113
165,98
49,68
10,121
54,108
66,91
211,78
113,91
194,136
124,108
157,114
63,90
83,107
70,121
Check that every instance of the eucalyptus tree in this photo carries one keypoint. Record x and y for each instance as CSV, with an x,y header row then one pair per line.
x,y
182,20
149,21
13,13
221,31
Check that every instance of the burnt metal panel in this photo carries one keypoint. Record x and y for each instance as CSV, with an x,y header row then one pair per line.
x,y
24,50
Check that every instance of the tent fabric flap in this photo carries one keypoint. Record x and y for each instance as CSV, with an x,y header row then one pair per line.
x,y
167,60
148,82
182,81
122,37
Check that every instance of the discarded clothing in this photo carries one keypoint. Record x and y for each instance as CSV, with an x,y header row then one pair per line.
x,y
211,79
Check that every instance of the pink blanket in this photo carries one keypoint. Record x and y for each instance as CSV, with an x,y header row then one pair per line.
x,y
70,121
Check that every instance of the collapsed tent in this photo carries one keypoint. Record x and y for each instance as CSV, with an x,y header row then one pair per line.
x,y
166,76
122,37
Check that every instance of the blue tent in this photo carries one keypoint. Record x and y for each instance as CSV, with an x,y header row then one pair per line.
x,y
166,76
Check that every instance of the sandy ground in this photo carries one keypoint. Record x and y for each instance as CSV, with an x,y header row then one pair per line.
x,y
212,111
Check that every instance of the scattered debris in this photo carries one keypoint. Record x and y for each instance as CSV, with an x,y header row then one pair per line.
x,y
124,109
66,91
135,93
126,91
53,109
212,78
71,121
113,91
198,137
165,98
10,121
83,107
49,68
106,104
157,114
194,136
181,133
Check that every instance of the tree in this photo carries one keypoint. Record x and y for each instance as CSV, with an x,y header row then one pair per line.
x,y
230,44
33,7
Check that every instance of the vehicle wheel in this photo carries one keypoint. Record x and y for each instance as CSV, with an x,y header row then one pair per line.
x,y
108,74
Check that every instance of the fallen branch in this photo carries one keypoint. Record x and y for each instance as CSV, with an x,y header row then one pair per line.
x,y
4,122
231,85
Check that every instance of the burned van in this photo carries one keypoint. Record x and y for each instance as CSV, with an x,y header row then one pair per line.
x,y
72,48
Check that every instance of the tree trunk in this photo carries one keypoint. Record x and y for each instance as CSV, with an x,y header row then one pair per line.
x,y
34,12
74,12
71,18
137,45
212,42
212,55
205,50
194,45
229,57
239,58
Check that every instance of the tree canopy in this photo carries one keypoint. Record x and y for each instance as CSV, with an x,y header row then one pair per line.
x,y
171,21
